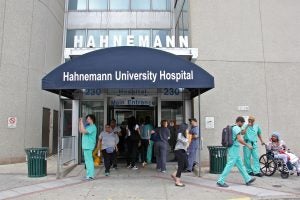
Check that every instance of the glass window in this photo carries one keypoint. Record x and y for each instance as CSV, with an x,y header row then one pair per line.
x,y
161,4
185,6
67,126
172,111
96,35
119,4
137,33
185,20
98,4
140,4
79,40
77,4
162,35
114,35
96,108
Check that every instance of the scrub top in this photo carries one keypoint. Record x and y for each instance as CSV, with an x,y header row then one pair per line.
x,y
235,131
89,139
195,141
252,133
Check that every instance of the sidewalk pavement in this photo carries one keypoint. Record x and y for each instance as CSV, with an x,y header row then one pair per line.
x,y
142,184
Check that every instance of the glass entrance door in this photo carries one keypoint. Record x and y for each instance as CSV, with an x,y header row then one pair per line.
x,y
121,115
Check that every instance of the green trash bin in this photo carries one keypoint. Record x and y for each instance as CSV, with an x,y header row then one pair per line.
x,y
217,159
37,161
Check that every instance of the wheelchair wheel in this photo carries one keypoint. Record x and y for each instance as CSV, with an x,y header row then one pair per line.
x,y
267,166
284,175
283,169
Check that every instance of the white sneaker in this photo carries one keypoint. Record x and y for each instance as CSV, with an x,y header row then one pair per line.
x,y
129,166
134,168
144,164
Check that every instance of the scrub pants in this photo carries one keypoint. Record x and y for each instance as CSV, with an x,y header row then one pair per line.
x,y
255,156
234,159
89,162
191,157
149,152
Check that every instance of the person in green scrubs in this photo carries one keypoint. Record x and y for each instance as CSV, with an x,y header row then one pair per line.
x,y
88,143
234,156
251,133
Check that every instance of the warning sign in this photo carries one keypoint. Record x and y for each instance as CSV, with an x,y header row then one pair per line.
x,y
12,122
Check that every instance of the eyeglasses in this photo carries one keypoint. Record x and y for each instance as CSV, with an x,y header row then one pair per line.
x,y
107,126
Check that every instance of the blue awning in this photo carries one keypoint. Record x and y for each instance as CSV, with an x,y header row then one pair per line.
x,y
127,67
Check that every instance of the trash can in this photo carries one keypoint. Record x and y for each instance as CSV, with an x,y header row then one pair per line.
x,y
217,159
37,161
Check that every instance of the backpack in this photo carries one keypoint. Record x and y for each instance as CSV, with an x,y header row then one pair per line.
x,y
227,140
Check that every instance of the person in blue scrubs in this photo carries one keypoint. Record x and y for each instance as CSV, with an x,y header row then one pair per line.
x,y
194,145
88,144
252,132
234,156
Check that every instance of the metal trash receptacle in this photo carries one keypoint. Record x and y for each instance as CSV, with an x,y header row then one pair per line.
x,y
37,161
217,159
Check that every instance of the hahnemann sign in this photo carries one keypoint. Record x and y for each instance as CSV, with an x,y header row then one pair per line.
x,y
130,40
148,75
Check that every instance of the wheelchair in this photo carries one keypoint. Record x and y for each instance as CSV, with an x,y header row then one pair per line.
x,y
269,164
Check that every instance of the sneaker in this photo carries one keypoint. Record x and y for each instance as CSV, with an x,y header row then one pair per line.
x,y
129,166
163,171
222,185
106,173
187,171
144,164
251,174
134,168
259,175
114,168
251,181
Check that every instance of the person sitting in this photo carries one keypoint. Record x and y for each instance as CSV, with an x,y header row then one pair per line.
x,y
293,161
276,145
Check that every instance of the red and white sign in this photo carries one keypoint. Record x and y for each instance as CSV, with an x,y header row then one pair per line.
x,y
12,122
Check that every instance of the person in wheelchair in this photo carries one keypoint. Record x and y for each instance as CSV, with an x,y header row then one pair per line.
x,y
293,161
277,147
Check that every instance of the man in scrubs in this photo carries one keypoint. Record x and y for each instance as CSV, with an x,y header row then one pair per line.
x,y
88,143
252,132
194,144
234,156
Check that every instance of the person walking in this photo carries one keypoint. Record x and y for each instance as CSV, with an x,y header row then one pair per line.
x,y
88,144
251,133
108,141
133,139
145,139
180,153
117,131
234,156
161,146
194,145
